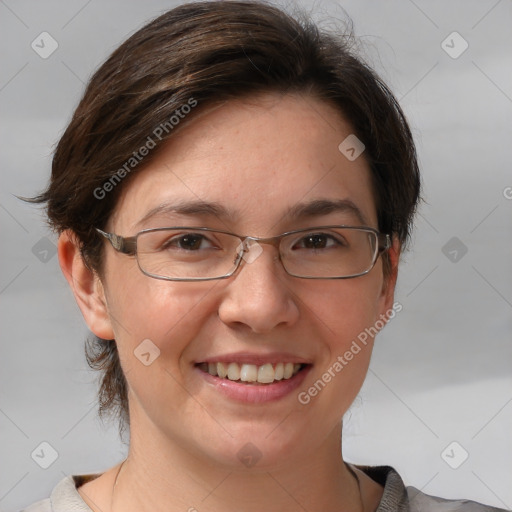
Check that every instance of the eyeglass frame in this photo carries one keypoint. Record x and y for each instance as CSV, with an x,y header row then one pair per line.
x,y
128,245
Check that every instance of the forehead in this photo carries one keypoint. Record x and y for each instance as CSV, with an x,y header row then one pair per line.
x,y
258,160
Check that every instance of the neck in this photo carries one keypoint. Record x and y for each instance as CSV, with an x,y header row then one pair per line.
x,y
158,475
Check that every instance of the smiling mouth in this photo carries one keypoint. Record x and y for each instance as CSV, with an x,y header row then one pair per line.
x,y
251,373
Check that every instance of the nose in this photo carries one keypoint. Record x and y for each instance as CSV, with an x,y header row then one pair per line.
x,y
258,296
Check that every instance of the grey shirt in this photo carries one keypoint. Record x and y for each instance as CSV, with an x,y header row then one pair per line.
x,y
396,497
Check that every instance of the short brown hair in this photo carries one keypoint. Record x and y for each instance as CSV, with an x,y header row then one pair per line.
x,y
209,52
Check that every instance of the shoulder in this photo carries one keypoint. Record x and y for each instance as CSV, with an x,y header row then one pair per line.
x,y
397,497
64,496
420,502
40,506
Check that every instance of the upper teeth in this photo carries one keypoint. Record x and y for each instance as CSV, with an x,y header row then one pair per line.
x,y
263,374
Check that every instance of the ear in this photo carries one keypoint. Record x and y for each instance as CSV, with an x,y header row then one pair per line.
x,y
86,286
389,281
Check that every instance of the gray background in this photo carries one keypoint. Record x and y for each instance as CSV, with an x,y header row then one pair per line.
x,y
442,369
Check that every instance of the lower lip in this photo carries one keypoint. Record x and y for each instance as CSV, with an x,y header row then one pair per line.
x,y
251,393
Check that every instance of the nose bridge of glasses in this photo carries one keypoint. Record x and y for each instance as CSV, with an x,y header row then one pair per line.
x,y
250,248
274,241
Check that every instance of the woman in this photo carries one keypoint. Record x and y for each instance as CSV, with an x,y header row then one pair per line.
x,y
232,195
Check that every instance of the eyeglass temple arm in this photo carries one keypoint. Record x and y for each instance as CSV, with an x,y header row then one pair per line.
x,y
125,245
384,241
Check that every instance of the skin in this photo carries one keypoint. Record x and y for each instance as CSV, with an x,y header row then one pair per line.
x,y
257,158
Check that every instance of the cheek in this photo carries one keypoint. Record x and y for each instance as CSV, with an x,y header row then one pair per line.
x,y
167,313
154,321
343,309
343,317
343,312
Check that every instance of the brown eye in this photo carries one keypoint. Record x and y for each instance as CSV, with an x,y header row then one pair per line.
x,y
188,242
317,241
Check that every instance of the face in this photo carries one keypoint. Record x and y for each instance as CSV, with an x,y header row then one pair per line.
x,y
260,162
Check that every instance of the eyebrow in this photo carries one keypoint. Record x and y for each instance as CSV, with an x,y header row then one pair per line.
x,y
198,207
321,207
300,211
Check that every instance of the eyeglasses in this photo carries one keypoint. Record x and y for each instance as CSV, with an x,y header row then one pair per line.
x,y
203,254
